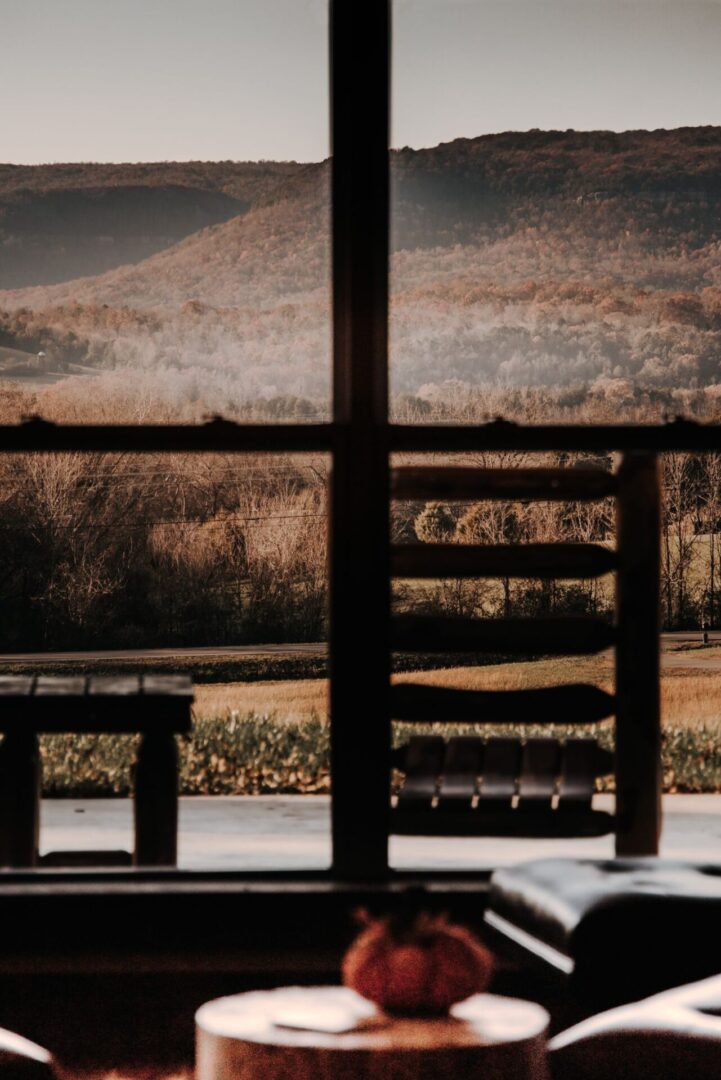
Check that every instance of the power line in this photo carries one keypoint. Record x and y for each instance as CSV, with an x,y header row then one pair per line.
x,y
165,477
205,522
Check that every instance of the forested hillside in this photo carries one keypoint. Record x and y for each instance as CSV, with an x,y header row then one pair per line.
x,y
588,262
59,222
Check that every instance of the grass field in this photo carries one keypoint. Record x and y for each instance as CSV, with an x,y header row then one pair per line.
x,y
690,698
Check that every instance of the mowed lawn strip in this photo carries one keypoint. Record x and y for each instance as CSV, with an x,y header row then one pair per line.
x,y
690,697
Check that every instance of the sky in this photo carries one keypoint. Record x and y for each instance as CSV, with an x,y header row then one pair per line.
x,y
151,80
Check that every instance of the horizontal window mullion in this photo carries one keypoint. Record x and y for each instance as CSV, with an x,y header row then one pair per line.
x,y
217,436
679,435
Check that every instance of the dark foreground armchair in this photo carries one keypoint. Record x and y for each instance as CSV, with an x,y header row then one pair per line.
x,y
21,1059
613,930
671,1036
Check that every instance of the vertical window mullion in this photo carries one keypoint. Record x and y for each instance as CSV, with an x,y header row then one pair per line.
x,y
359,519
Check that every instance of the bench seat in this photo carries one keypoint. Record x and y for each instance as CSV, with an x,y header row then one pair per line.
x,y
499,786
619,929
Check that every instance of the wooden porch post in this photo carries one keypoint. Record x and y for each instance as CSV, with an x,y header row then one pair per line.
x,y
638,727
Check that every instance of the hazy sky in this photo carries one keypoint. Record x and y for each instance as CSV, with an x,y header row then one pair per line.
x,y
132,80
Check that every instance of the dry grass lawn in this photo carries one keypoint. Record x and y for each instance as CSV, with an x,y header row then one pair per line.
x,y
689,697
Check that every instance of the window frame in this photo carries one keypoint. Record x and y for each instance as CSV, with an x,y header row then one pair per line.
x,y
360,440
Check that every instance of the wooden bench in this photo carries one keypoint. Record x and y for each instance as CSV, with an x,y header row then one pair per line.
x,y
536,787
157,707
470,786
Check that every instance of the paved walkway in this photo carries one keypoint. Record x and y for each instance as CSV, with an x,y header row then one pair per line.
x,y
268,832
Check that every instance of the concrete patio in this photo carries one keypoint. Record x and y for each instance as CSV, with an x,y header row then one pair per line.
x,y
271,832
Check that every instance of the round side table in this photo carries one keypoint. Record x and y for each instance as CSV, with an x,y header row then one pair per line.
x,y
297,1033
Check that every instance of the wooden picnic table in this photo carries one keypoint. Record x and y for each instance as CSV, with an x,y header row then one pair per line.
x,y
157,707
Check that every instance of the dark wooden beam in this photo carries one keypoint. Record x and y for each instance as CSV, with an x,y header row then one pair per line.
x,y
577,703
216,436
225,436
680,434
546,561
359,521
638,726
557,485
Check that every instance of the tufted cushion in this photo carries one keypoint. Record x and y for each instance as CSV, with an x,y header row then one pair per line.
x,y
668,1036
635,925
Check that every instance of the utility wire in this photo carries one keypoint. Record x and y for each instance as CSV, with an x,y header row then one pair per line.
x,y
207,522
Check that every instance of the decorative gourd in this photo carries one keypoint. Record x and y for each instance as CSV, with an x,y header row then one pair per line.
x,y
417,965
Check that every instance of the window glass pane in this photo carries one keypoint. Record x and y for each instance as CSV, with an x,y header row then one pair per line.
x,y
164,256
208,566
556,226
164,212
556,210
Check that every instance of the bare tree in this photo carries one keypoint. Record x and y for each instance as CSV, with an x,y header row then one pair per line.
x,y
678,535
710,512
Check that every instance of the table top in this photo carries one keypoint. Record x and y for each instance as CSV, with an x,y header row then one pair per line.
x,y
122,704
337,1018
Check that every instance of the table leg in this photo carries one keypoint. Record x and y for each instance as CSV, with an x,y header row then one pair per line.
x,y
156,801
20,787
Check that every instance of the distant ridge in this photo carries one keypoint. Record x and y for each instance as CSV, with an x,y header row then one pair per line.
x,y
279,246
519,259
59,222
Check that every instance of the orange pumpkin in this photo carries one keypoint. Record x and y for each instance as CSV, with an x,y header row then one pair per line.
x,y
418,966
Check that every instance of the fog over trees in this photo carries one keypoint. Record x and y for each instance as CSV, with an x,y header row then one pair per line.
x,y
549,259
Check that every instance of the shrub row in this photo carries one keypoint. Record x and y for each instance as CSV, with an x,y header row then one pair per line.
x,y
260,754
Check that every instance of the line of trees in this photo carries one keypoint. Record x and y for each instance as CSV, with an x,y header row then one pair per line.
x,y
110,550
121,551
690,545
